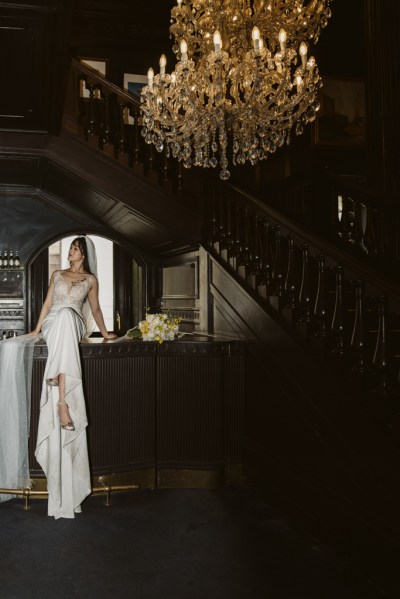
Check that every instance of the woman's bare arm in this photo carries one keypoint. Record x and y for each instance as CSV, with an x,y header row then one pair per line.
x,y
93,297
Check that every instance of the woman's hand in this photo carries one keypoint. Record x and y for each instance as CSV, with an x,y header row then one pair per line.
x,y
110,336
33,334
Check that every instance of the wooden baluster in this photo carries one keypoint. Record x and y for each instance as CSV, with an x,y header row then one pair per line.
x,y
337,319
236,245
357,342
305,290
379,360
290,279
105,129
228,230
221,222
278,271
339,215
214,221
358,232
347,219
136,139
120,145
267,253
320,307
256,263
90,128
255,266
243,258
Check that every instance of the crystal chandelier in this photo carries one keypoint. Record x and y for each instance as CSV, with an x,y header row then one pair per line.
x,y
242,82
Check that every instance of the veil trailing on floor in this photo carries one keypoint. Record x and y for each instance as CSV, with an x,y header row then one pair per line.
x,y
16,358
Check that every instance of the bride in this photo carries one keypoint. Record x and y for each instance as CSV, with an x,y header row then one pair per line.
x,y
66,315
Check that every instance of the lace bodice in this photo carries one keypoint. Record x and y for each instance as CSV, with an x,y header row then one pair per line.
x,y
70,293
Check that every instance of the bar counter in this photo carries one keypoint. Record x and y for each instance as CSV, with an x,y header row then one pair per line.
x,y
160,415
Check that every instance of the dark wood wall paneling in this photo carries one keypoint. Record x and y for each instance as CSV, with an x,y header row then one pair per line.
x,y
34,43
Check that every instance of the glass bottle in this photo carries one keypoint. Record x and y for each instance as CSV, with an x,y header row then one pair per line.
x,y
17,261
1,260
11,260
5,259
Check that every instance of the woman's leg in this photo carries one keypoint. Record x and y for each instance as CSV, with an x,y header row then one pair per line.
x,y
63,411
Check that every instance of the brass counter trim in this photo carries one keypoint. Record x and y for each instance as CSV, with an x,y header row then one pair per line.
x,y
27,493
148,478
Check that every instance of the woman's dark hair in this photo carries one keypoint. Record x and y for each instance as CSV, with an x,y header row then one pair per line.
x,y
81,243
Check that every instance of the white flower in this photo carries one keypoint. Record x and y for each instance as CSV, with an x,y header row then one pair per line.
x,y
158,327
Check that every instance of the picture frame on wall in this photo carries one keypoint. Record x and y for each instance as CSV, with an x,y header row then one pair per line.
x,y
97,64
133,83
341,120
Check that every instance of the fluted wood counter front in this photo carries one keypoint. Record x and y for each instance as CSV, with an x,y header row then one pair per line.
x,y
159,415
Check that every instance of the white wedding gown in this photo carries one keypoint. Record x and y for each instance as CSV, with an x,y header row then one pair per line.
x,y
63,454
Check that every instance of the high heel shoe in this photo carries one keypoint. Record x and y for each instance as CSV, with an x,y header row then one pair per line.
x,y
69,426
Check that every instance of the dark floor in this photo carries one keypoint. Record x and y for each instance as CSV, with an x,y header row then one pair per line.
x,y
169,544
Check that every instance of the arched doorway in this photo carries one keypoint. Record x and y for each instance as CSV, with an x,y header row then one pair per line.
x,y
122,280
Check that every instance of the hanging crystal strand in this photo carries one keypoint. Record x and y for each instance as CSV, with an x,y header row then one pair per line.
x,y
320,308
379,360
223,142
357,338
304,294
278,271
337,319
290,280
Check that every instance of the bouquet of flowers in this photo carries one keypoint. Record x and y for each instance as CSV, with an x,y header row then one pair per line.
x,y
156,327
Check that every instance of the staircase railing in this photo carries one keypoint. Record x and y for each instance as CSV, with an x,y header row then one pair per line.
x,y
320,286
109,118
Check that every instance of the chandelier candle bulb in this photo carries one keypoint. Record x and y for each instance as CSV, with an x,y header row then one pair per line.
x,y
255,34
217,42
303,54
282,40
183,48
150,77
163,62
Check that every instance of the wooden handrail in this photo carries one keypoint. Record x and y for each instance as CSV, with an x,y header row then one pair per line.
x,y
107,85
